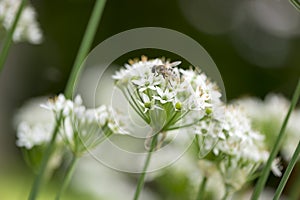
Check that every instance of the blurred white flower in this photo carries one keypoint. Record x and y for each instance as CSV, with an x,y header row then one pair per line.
x,y
27,28
29,136
34,124
268,116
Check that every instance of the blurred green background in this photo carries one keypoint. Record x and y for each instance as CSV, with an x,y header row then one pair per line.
x,y
255,45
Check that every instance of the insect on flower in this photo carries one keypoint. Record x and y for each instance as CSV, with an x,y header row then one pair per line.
x,y
166,70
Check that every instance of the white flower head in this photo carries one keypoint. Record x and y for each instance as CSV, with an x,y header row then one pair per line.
x,y
160,85
80,128
238,148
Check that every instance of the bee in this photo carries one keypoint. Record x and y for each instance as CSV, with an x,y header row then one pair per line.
x,y
166,70
53,99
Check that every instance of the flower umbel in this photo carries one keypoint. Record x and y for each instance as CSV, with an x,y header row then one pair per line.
x,y
163,95
83,128
236,148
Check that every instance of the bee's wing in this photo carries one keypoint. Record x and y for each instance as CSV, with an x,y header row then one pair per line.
x,y
173,64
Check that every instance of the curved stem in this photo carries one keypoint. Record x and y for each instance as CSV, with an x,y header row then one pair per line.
x,y
85,45
296,4
287,173
8,39
201,191
68,176
38,179
265,173
141,180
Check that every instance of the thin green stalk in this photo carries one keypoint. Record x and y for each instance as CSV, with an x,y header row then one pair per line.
x,y
287,173
265,173
141,114
68,176
201,191
85,45
138,108
294,192
186,125
141,180
226,195
82,52
296,4
38,179
8,39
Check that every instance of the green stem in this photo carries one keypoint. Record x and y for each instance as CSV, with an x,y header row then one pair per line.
x,y
38,179
265,173
294,192
85,45
296,4
141,180
8,39
68,176
226,195
287,173
186,125
201,191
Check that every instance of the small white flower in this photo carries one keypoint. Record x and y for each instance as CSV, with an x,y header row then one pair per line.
x,y
146,82
146,103
164,96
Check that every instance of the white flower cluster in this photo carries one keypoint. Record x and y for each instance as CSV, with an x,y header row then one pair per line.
x,y
80,128
268,116
164,95
237,149
27,27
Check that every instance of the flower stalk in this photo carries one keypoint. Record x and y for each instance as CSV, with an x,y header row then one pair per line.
x,y
265,173
296,4
68,176
141,180
85,46
226,195
294,192
38,179
8,39
83,50
201,191
287,173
